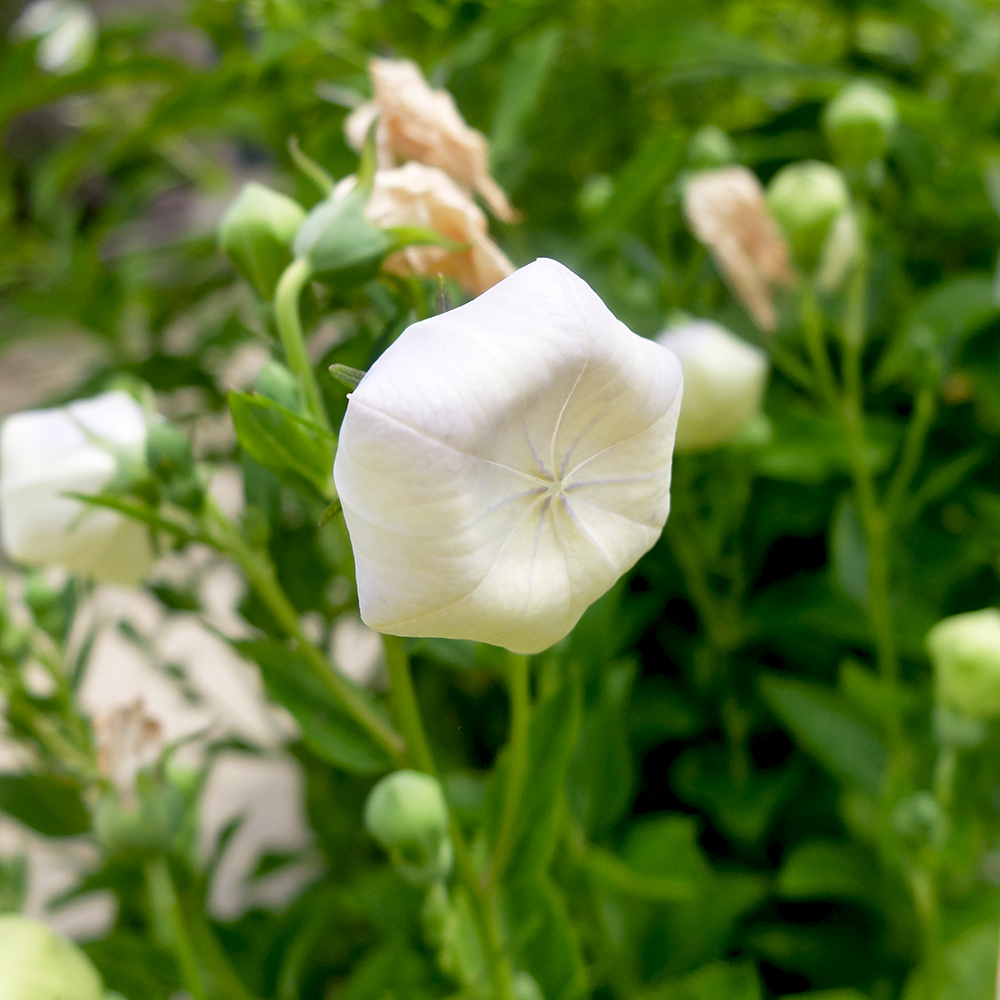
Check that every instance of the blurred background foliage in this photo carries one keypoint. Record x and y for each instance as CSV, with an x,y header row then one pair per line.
x,y
731,741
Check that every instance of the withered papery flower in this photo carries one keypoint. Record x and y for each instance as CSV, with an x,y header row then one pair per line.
x,y
416,195
726,211
418,123
128,740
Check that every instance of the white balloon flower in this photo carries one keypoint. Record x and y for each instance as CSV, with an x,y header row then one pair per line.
x,y
502,464
724,381
45,454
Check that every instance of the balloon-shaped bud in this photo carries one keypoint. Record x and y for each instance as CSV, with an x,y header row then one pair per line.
x,y
36,963
407,814
807,199
724,380
257,232
965,653
710,147
860,123
501,465
66,31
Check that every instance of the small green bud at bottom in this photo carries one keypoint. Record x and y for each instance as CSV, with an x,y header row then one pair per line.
x,y
407,814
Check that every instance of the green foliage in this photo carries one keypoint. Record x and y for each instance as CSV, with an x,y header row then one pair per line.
x,y
733,785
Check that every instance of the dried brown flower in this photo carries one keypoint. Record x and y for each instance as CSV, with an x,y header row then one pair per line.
x,y
128,740
727,212
418,123
416,195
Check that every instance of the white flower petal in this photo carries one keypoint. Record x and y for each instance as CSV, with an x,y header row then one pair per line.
x,y
502,464
46,453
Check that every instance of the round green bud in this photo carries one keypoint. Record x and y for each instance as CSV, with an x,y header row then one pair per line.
x,y
595,192
277,383
407,814
709,148
860,123
36,963
965,653
256,233
807,199
148,826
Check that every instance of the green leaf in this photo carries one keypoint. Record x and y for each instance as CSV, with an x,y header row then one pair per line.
x,y
552,734
289,445
351,377
337,240
823,724
542,935
678,879
522,84
405,236
849,552
328,730
935,328
718,981
47,803
823,869
665,847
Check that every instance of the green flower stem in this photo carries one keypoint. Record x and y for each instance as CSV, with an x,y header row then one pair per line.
x,y
812,326
405,705
226,984
518,684
876,529
407,710
924,410
286,310
167,915
261,575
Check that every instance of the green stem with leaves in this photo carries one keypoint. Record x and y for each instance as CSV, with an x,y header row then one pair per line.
x,y
518,685
167,915
263,579
407,711
286,311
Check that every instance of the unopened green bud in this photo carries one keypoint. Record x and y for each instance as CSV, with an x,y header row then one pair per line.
x,y
965,652
860,123
256,233
36,963
406,813
168,453
148,826
919,818
807,199
709,148
336,239
277,383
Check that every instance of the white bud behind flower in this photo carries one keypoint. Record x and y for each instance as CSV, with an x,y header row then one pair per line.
x,y
965,653
724,379
36,963
727,211
502,464
66,31
47,453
